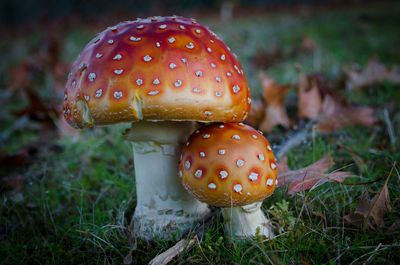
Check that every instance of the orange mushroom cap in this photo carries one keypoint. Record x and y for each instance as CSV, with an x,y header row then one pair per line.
x,y
160,68
228,165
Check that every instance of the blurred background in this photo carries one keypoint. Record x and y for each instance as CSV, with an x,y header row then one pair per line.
x,y
66,198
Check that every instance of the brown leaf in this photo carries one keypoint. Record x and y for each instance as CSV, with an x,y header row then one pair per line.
x,y
309,98
257,113
375,72
274,96
14,182
335,116
264,59
307,44
282,166
311,176
376,208
394,227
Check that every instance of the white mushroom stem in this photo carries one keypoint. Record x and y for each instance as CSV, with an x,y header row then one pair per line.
x,y
164,209
246,221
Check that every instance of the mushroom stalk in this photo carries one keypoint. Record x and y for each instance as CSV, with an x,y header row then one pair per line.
x,y
246,221
164,209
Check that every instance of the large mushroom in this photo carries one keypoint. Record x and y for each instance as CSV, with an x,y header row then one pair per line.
x,y
231,166
161,74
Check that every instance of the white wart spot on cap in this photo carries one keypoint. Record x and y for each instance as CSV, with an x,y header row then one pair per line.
x,y
98,55
197,31
139,82
273,166
156,81
236,137
223,57
92,77
81,65
172,66
212,41
181,26
202,154
238,188
190,45
86,98
180,174
218,94
223,174
213,65
184,60
269,148
261,157
158,44
187,164
212,186
199,74
270,182
178,83
221,126
248,100
254,136
218,79
110,41
198,173
228,73
196,90
118,71
207,113
236,89
117,57
140,27
153,92
147,58
65,96
209,49
253,176
206,136
163,26
99,92
133,38
74,84
171,40
221,151
117,94
239,163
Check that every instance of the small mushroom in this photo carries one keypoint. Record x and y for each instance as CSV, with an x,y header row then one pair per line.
x,y
157,73
234,168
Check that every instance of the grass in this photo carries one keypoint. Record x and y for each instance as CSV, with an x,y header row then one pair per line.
x,y
77,196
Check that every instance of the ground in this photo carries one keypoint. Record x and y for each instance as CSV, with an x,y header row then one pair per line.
x,y
69,197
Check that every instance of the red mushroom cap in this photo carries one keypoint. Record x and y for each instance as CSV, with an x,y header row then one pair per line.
x,y
228,165
161,68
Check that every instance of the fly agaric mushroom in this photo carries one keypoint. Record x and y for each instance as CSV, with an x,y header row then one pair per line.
x,y
162,74
231,166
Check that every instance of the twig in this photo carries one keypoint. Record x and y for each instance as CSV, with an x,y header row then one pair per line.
x,y
294,140
389,127
177,249
185,243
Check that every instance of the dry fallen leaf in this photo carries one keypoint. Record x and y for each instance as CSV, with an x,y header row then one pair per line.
x,y
307,44
375,72
264,59
335,116
309,177
257,113
274,96
375,208
309,98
